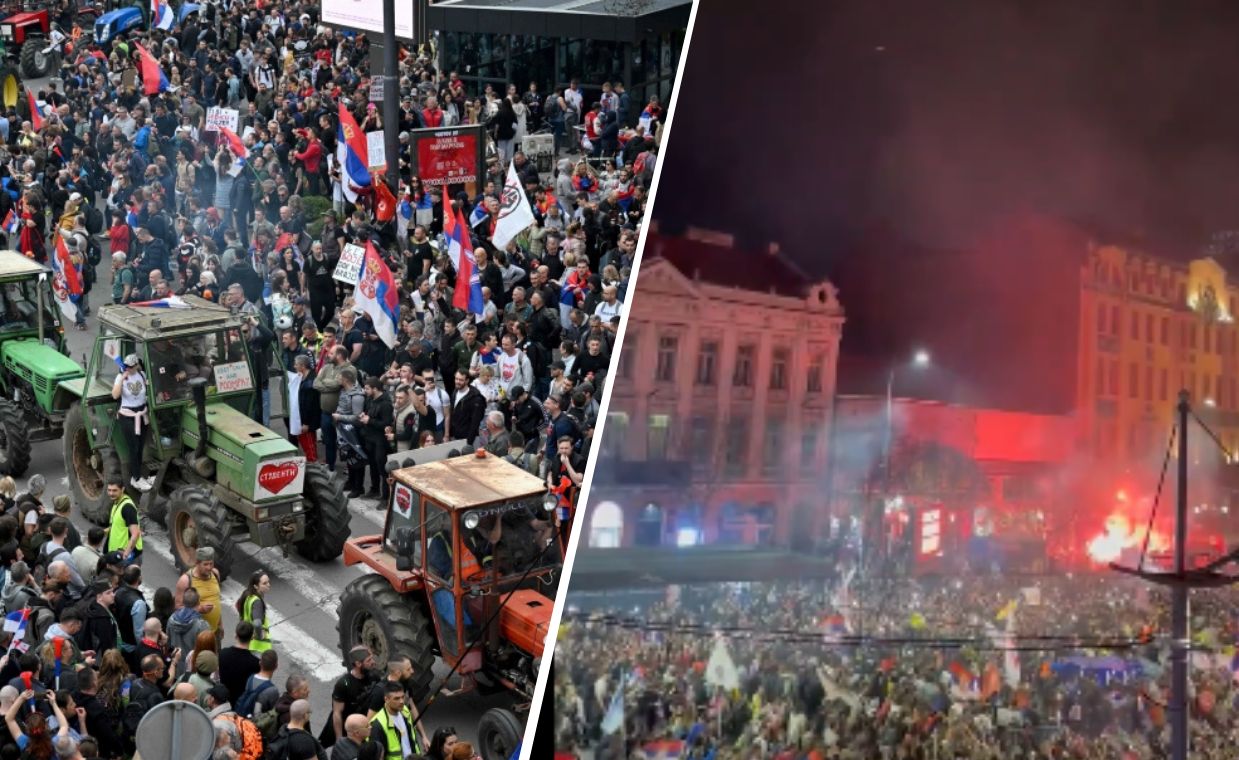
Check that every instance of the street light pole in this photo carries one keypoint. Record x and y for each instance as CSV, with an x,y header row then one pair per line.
x,y
1180,602
391,97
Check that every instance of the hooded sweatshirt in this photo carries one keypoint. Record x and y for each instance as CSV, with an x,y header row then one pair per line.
x,y
183,629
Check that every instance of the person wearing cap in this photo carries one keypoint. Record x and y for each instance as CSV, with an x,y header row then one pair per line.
x,y
124,531
203,578
130,389
351,693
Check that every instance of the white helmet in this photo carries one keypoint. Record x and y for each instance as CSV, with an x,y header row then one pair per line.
x,y
284,322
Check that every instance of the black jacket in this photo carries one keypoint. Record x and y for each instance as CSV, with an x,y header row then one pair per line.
x,y
308,403
467,415
99,629
243,274
381,417
154,256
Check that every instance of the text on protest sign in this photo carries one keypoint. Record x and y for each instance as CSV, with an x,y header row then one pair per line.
x,y
377,150
232,377
222,117
349,268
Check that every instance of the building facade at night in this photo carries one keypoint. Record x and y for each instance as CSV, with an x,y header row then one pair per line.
x,y
719,425
1148,329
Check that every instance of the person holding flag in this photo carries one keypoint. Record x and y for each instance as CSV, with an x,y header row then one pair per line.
x,y
467,290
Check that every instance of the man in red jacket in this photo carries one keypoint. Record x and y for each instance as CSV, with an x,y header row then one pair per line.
x,y
311,156
432,115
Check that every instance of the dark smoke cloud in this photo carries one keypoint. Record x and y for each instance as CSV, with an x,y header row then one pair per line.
x,y
1117,114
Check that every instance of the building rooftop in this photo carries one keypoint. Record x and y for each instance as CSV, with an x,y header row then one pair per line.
x,y
706,256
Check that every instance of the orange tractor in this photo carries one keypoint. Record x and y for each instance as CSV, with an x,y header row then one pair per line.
x,y
464,571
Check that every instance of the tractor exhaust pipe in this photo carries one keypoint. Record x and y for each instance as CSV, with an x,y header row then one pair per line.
x,y
197,387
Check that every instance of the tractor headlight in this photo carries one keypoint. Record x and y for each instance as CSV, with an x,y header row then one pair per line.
x,y
261,513
549,502
471,520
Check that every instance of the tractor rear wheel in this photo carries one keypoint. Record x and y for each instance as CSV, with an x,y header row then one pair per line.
x,y
374,615
499,733
10,87
196,519
34,62
326,516
87,468
14,440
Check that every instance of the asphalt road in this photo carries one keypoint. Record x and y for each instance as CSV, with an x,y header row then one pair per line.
x,y
304,598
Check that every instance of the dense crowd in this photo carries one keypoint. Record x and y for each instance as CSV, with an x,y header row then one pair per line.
x,y
116,167
1090,679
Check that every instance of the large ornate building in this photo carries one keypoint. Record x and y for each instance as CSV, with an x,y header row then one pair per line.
x,y
719,422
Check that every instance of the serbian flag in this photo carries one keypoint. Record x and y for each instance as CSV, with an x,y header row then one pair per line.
x,y
36,118
11,222
64,265
153,79
384,202
468,287
171,302
234,143
352,155
161,15
377,296
665,749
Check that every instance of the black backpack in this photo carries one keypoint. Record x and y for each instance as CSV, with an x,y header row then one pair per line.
x,y
249,698
94,220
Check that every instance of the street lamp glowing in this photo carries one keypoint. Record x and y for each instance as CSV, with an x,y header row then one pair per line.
x,y
1210,402
921,358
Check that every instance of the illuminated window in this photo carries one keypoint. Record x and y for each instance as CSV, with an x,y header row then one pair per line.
x,y
656,434
606,526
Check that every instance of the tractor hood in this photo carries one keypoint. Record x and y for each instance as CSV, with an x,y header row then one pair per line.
x,y
114,22
47,361
254,461
525,620
23,18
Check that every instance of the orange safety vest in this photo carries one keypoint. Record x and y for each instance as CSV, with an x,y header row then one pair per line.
x,y
470,568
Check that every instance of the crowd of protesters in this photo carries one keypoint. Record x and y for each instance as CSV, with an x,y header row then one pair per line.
x,y
944,679
137,179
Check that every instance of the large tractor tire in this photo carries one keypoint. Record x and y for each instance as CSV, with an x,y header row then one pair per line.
x,y
11,88
34,63
326,516
87,469
373,614
14,440
499,733
196,519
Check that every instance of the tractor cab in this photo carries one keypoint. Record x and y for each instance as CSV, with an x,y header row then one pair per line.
x,y
466,569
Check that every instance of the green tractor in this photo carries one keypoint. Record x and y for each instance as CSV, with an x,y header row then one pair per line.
x,y
33,361
218,475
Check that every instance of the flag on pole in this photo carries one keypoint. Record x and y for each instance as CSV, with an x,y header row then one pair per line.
x,y
376,295
153,79
15,623
352,155
515,213
63,263
468,287
161,15
36,118
234,143
384,202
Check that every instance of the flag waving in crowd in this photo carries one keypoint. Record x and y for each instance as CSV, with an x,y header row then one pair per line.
x,y
153,79
376,295
468,287
162,16
352,156
515,213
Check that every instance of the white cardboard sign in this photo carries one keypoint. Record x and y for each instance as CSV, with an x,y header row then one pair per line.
x,y
232,377
349,267
280,477
222,117
377,150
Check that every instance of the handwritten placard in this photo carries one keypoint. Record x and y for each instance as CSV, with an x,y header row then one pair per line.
x,y
349,267
232,377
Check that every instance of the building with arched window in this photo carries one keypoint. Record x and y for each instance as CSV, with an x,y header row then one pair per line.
x,y
719,423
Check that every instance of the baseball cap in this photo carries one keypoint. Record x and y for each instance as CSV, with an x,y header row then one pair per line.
x,y
114,558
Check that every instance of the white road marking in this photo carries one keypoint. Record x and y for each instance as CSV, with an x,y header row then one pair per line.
x,y
291,641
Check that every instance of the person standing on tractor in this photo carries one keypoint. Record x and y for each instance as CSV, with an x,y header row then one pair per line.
x,y
130,390
204,578
124,532
252,607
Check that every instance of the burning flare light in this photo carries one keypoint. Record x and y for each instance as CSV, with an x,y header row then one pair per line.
x,y
1118,535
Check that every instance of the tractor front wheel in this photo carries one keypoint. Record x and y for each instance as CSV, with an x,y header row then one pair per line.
x,y
196,519
499,733
374,615
326,516
87,468
34,62
14,440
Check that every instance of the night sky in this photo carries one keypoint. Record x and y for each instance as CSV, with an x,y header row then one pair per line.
x,y
816,124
